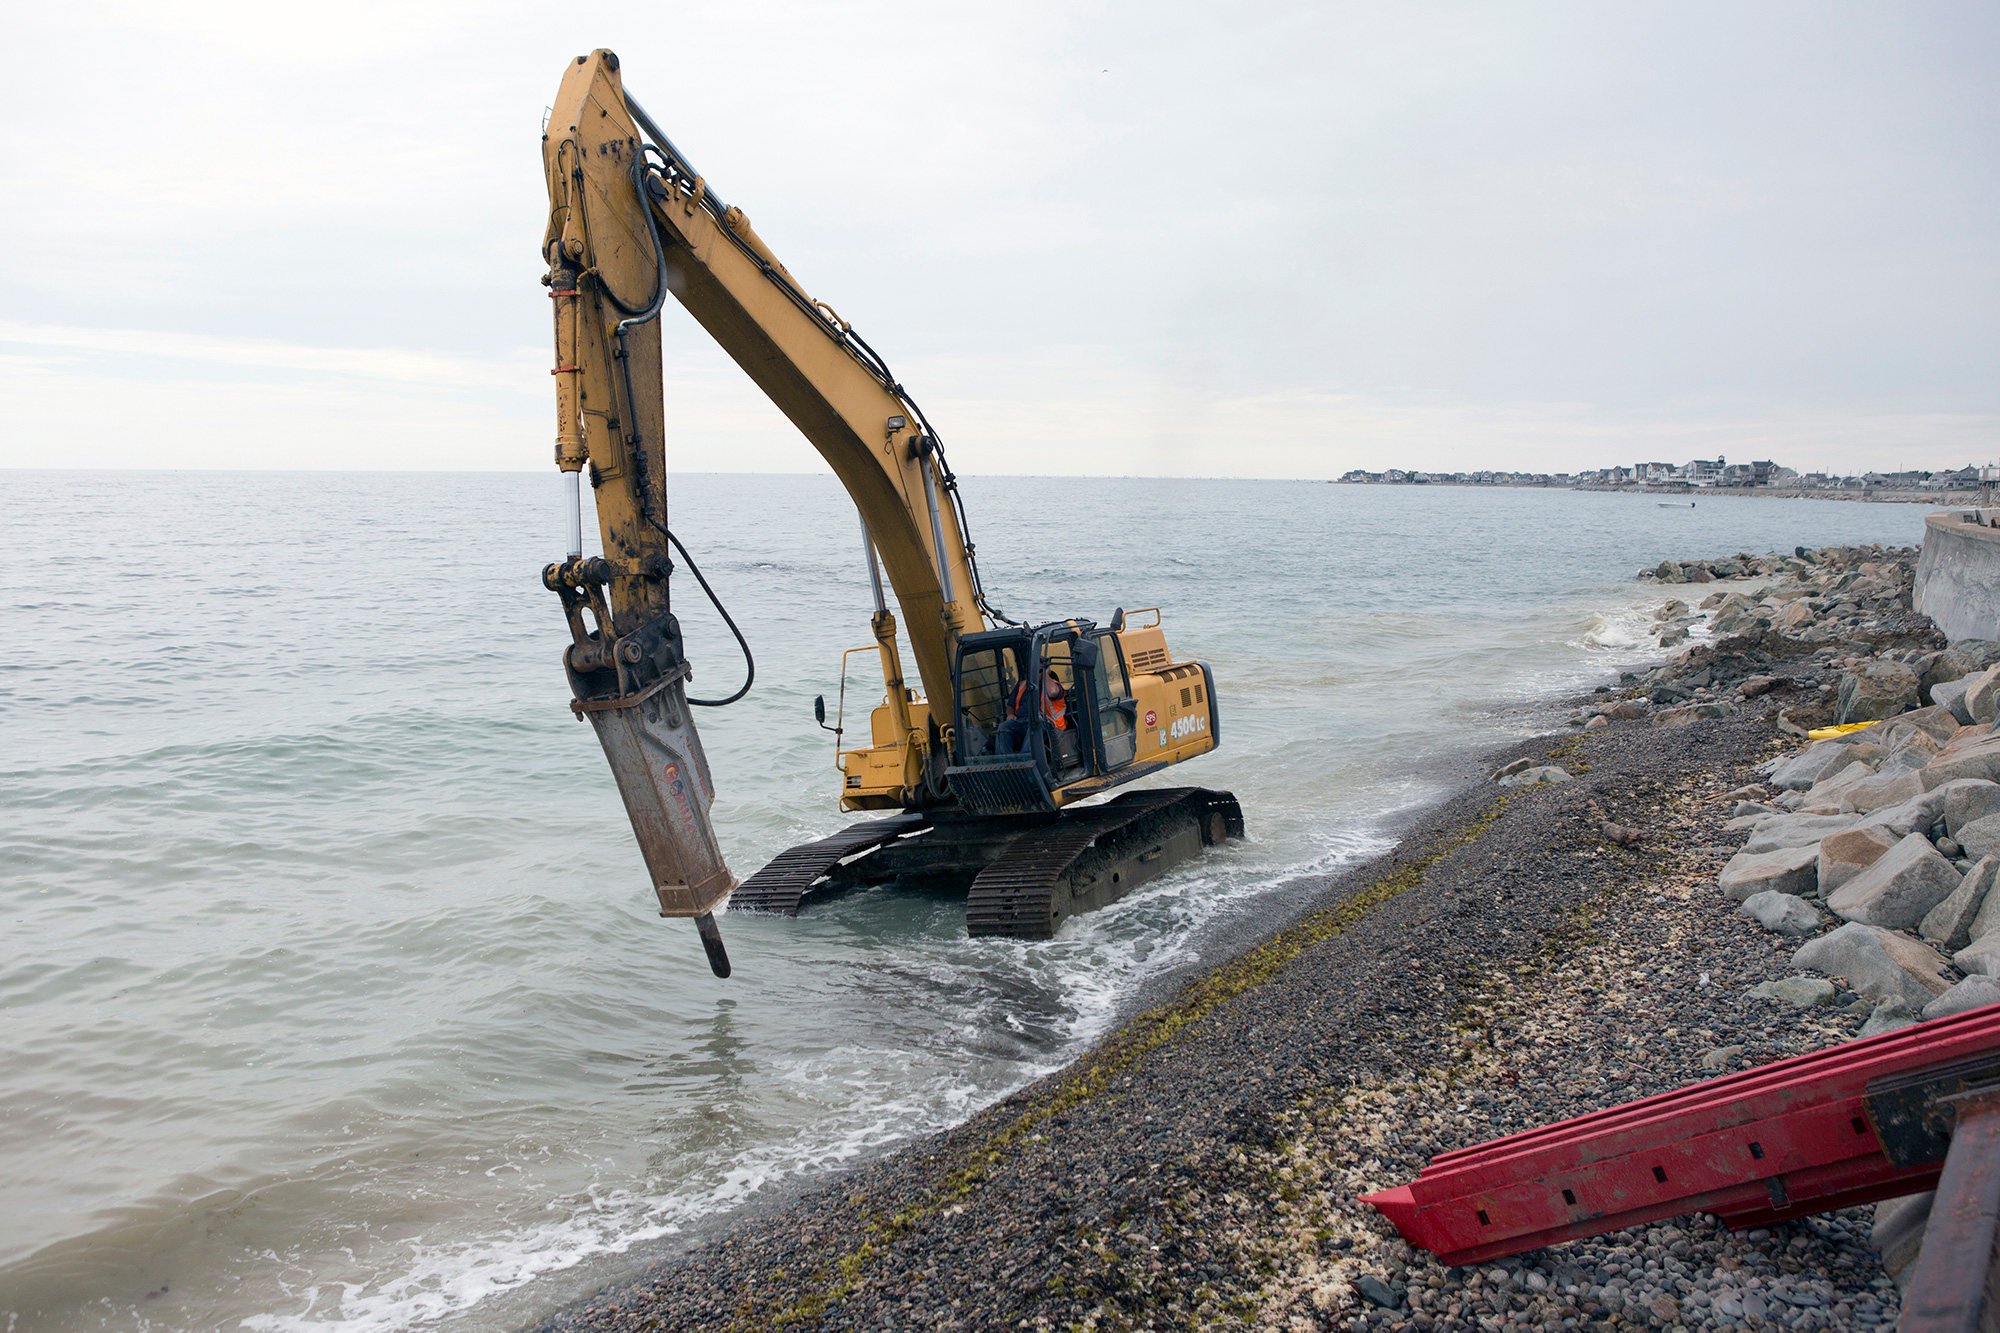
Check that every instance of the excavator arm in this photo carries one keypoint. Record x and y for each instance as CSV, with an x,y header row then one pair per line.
x,y
631,222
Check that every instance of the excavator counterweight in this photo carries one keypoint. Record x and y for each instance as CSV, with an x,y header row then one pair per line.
x,y
1014,721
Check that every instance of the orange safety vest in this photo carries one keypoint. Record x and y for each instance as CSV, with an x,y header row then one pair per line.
x,y
1056,710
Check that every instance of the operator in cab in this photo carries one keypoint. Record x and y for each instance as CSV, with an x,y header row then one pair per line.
x,y
1021,714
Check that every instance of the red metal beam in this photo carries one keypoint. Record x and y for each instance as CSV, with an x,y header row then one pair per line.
x,y
1771,1143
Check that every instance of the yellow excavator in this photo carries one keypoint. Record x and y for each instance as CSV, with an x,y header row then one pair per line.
x,y
1015,722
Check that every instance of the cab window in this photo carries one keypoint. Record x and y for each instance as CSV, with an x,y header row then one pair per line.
x,y
987,678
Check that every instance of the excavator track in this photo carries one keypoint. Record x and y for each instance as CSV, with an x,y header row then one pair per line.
x,y
779,885
1017,895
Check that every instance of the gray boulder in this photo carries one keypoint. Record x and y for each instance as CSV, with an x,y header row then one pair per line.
x,y
1951,694
1915,815
1887,1017
1981,837
1793,870
1877,963
1982,694
1768,835
1842,856
1875,690
1798,992
1781,913
1933,721
1949,924
1973,754
1986,922
1912,751
1907,882
1832,791
1808,765
1891,787
1898,1233
1967,799
1971,993
1982,958
1534,777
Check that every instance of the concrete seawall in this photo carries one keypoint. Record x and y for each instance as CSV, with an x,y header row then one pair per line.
x,y
1958,575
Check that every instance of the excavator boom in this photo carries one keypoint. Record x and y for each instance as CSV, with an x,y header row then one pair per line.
x,y
631,222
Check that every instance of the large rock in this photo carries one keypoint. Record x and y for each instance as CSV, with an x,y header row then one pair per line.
x,y
1809,765
1937,723
1986,924
1832,790
1842,856
1775,831
1798,992
1915,815
1888,788
1982,694
1949,924
1982,958
1913,749
1967,799
1534,777
1887,1016
1898,1233
1793,870
1781,913
1973,753
1907,882
1951,694
1875,690
1981,837
1877,963
1689,714
1972,993
1793,618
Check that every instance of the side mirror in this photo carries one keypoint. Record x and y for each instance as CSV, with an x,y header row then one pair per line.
x,y
819,709
1118,620
1084,654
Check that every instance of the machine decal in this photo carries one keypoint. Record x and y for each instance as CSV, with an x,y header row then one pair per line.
x,y
679,789
1152,718
1188,726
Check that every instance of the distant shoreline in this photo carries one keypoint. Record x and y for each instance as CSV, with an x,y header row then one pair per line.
x,y
1872,495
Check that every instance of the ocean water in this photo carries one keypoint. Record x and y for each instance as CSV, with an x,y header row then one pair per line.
x,y
334,996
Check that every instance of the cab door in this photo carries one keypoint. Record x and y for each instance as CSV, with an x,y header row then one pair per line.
x,y
1117,712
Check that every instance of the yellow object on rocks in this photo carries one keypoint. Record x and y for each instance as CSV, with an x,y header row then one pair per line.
x,y
1828,733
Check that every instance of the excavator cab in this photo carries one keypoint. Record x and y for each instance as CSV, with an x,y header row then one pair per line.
x,y
1019,766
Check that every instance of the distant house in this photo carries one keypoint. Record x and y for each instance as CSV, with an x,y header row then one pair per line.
x,y
1395,475
1965,479
1703,471
1653,472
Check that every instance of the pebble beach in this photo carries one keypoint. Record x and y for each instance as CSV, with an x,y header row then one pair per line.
x,y
1562,935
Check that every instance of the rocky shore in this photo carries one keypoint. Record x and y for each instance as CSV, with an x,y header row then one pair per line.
x,y
1580,931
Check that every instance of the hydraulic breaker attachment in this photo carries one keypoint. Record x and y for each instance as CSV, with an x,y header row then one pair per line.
x,y
632,689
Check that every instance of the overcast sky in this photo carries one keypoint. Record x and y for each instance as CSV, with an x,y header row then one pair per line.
x,y
1159,238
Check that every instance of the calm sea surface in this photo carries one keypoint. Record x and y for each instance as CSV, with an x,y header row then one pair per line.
x,y
334,995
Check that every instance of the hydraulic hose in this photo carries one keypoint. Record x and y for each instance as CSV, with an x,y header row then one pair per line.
x,y
749,663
